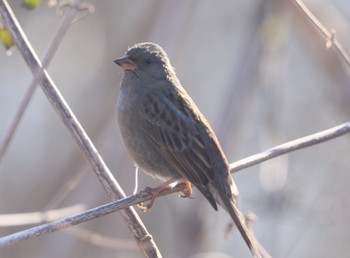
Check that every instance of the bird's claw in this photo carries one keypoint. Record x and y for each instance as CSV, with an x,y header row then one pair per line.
x,y
143,207
148,190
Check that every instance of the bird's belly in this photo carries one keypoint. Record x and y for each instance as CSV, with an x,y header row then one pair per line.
x,y
147,157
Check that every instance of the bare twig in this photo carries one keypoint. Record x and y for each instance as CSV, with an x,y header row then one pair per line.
x,y
82,217
111,186
287,147
20,219
144,196
38,73
109,183
330,36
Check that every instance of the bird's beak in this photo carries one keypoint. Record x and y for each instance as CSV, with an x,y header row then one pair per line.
x,y
125,63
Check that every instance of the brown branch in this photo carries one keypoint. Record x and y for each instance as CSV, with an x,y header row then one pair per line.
x,y
330,36
135,225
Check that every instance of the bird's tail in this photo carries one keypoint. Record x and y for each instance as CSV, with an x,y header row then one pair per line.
x,y
239,221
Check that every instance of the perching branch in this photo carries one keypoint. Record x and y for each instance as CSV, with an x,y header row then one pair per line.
x,y
82,217
144,196
111,186
330,36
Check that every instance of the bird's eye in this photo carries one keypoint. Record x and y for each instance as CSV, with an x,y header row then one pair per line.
x,y
148,61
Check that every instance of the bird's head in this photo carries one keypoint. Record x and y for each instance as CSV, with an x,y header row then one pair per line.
x,y
146,60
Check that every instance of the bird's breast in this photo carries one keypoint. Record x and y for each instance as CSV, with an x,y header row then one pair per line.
x,y
144,152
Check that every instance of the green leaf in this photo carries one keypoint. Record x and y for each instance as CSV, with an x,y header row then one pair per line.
x,y
30,4
6,38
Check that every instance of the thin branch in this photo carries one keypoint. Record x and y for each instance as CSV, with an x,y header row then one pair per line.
x,y
111,186
20,219
51,50
109,183
287,147
144,196
88,215
330,36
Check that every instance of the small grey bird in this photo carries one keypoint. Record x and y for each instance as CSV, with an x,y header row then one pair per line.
x,y
167,135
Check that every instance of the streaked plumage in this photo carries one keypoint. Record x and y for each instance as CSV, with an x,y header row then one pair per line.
x,y
167,135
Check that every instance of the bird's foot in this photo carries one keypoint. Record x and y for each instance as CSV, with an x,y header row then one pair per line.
x,y
145,207
155,193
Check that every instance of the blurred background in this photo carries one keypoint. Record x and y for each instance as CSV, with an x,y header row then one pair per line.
x,y
260,73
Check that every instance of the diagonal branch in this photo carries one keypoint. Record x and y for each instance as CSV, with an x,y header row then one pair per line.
x,y
111,186
53,46
290,146
21,219
82,217
104,175
144,196
330,36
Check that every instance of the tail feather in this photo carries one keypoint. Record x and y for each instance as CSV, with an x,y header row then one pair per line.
x,y
238,219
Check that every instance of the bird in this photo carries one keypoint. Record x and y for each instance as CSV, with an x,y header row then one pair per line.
x,y
168,137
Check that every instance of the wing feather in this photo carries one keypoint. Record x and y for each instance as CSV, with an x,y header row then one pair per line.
x,y
177,131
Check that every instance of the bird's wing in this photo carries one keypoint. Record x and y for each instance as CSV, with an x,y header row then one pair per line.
x,y
182,136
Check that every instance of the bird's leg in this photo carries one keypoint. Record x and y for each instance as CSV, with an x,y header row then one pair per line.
x,y
186,191
154,192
